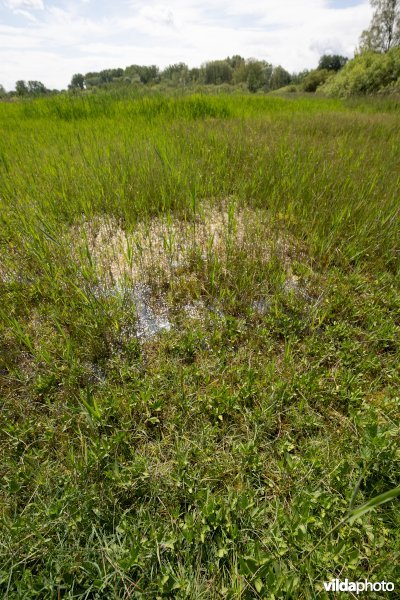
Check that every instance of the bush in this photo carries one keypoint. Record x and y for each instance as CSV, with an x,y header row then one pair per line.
x,y
314,79
332,62
367,73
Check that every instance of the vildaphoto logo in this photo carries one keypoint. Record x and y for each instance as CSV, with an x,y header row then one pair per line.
x,y
336,585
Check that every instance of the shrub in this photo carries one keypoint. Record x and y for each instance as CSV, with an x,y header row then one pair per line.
x,y
367,73
314,79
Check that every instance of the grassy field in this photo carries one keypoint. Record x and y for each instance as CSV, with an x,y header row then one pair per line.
x,y
199,346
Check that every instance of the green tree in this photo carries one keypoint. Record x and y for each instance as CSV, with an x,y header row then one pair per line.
x,y
217,72
146,74
177,73
21,88
2,91
332,62
279,78
109,75
314,79
92,79
240,73
235,61
195,74
384,30
299,77
77,82
149,74
36,88
258,74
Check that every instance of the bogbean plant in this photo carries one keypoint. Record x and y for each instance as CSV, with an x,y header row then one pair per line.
x,y
223,458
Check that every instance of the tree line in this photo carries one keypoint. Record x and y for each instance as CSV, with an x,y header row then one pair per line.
x,y
255,75
251,74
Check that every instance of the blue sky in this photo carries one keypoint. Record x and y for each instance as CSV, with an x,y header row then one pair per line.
x,y
50,40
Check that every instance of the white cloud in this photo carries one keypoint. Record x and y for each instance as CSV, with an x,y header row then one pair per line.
x,y
25,4
26,14
82,36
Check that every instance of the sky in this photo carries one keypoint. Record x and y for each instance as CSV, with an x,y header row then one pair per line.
x,y
50,40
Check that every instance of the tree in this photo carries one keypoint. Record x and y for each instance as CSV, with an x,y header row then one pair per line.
x,y
332,62
109,75
384,30
177,73
144,74
149,74
299,77
21,88
217,72
36,88
77,82
195,74
240,73
279,78
2,91
32,88
235,61
314,79
258,74
92,79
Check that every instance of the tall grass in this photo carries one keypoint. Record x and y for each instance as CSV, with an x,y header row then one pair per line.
x,y
333,177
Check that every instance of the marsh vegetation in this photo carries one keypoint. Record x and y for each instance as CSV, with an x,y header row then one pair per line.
x,y
199,345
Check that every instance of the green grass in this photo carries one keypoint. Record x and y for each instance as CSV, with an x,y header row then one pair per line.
x,y
210,461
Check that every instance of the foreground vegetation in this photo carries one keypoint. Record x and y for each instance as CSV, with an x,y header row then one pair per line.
x,y
220,457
